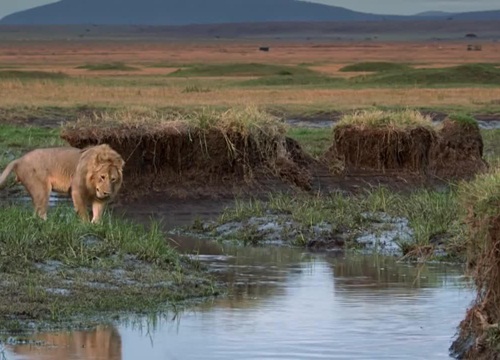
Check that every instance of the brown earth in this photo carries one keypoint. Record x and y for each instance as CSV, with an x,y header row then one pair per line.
x,y
458,151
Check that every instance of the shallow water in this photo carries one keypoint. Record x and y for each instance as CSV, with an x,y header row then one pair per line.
x,y
288,304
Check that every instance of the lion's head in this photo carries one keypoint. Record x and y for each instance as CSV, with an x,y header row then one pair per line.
x,y
104,170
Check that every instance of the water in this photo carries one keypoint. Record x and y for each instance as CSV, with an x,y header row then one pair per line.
x,y
288,304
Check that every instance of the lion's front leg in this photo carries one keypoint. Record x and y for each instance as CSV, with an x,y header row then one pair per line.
x,y
80,205
97,210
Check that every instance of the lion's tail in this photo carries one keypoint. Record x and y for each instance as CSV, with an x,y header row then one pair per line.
x,y
6,172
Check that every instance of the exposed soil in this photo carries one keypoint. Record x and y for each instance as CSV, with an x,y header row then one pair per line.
x,y
455,151
458,153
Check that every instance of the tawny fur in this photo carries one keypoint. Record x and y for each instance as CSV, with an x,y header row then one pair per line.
x,y
91,176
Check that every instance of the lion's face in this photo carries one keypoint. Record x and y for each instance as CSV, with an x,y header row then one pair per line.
x,y
107,181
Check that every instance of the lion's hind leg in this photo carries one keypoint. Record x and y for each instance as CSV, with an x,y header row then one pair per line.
x,y
39,191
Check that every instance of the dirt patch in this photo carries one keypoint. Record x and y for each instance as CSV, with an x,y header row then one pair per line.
x,y
190,161
458,152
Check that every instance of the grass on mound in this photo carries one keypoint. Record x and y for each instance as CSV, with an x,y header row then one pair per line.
x,y
374,66
247,121
244,69
115,66
394,119
481,74
58,270
31,75
463,119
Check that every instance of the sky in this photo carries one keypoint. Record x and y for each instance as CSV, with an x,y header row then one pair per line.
x,y
374,6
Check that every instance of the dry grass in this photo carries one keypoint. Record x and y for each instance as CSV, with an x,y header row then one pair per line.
x,y
368,119
282,52
71,93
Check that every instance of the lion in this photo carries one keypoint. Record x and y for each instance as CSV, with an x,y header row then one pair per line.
x,y
92,176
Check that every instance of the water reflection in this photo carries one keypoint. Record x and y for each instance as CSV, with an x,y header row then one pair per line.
x,y
102,343
289,304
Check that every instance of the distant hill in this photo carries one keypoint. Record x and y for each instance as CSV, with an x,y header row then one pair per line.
x,y
478,15
434,14
181,12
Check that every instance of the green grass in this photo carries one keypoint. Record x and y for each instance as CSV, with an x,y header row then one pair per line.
x,y
491,141
31,75
478,74
115,66
61,269
314,79
244,69
15,140
313,141
464,119
375,66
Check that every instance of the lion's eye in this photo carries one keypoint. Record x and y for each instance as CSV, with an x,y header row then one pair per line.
x,y
103,177
113,179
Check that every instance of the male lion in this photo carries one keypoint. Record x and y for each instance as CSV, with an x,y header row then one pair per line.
x,y
91,176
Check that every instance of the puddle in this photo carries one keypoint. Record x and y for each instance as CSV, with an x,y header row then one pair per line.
x,y
286,303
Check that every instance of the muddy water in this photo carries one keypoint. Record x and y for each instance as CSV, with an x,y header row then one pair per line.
x,y
287,304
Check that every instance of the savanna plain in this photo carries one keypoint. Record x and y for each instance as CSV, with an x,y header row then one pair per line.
x,y
212,119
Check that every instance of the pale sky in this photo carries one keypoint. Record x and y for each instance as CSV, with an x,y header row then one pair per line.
x,y
373,6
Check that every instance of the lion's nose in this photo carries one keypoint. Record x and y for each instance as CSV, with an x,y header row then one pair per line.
x,y
105,193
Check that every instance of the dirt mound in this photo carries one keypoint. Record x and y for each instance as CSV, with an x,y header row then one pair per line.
x,y
381,149
458,152
183,159
453,152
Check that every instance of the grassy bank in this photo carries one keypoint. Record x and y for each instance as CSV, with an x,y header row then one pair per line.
x,y
63,271
479,332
